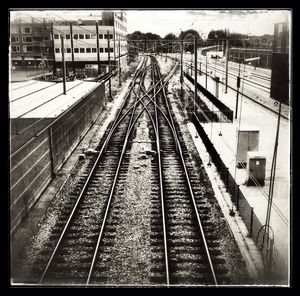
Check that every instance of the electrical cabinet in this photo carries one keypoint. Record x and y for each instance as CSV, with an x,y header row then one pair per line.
x,y
256,166
248,140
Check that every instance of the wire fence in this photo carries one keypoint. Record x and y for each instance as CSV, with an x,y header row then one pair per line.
x,y
271,256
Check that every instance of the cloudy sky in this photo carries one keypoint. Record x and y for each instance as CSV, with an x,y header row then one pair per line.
x,y
256,22
162,22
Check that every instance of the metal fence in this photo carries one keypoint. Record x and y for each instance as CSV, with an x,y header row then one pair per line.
x,y
33,164
242,206
222,107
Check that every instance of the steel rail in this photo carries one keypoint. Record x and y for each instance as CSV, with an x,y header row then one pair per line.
x,y
124,115
251,99
191,193
246,81
76,205
161,190
113,186
112,189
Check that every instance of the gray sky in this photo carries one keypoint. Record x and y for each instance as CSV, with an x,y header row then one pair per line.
x,y
162,22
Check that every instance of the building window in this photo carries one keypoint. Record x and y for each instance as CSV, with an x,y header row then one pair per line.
x,y
56,36
111,36
100,36
14,39
35,39
101,49
81,50
76,36
76,50
57,50
94,49
26,39
68,50
81,36
14,30
111,49
67,36
105,36
15,48
106,49
26,30
36,30
93,36
87,36
28,48
88,50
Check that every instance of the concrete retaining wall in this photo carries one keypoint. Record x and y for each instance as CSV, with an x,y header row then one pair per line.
x,y
34,165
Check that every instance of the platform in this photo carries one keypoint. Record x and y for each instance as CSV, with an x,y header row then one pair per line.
x,y
254,115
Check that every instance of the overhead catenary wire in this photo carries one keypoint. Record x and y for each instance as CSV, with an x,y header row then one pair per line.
x,y
251,176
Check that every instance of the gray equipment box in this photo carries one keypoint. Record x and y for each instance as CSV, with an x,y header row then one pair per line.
x,y
248,140
256,166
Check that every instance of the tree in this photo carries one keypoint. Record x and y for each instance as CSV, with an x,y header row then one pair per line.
x,y
235,39
188,36
170,38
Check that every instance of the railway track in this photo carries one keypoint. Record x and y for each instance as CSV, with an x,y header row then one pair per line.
x,y
183,245
283,114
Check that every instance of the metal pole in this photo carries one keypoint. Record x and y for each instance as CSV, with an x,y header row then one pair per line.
x,y
72,48
226,63
273,169
108,49
98,49
195,72
181,68
251,221
63,63
238,82
206,71
119,64
53,47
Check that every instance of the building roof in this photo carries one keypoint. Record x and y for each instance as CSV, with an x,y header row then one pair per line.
x,y
39,99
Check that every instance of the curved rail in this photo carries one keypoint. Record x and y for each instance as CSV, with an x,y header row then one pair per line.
x,y
190,190
79,198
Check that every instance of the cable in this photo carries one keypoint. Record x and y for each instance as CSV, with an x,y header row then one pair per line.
x,y
251,176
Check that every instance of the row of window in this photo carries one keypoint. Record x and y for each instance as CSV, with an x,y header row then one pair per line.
x,y
25,30
119,26
84,50
16,48
29,39
84,36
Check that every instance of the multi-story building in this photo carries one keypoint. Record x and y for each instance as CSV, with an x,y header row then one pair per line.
x,y
31,43
91,42
237,54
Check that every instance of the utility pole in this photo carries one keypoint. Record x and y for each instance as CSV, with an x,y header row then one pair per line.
x,y
98,49
181,67
53,47
119,64
206,70
63,63
167,49
226,63
108,49
195,72
72,48
238,83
